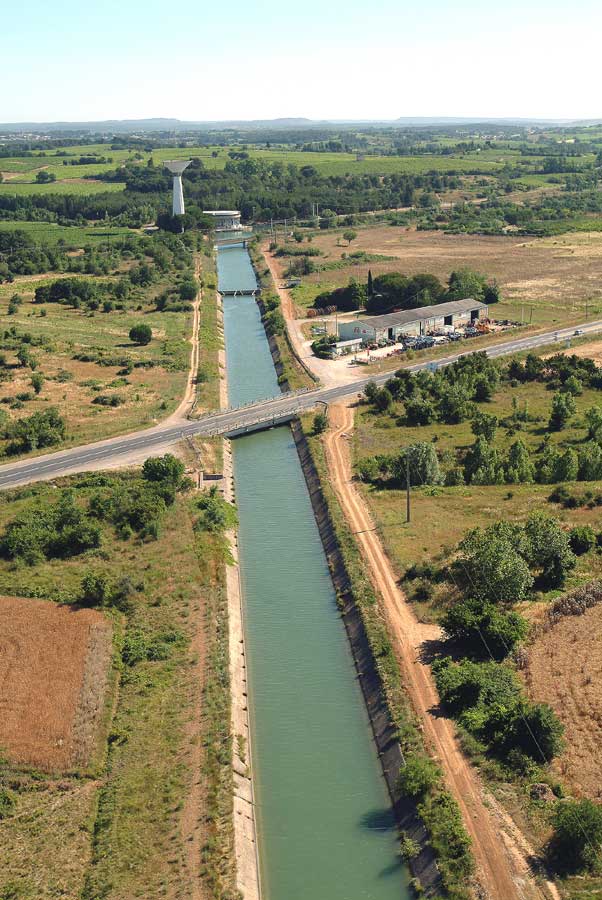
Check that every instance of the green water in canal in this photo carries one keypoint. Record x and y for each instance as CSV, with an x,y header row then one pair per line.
x,y
325,826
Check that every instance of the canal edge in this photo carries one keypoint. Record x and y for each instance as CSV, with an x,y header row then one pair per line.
x,y
424,866
246,848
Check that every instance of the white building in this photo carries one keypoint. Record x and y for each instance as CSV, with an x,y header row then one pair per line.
x,y
225,219
413,322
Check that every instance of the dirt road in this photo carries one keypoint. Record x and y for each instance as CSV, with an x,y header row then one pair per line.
x,y
500,851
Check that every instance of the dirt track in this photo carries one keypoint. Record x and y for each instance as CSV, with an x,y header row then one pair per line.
x,y
502,865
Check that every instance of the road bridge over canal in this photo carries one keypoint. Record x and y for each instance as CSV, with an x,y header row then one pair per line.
x,y
256,416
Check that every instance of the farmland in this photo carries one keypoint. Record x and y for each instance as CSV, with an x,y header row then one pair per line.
x,y
54,676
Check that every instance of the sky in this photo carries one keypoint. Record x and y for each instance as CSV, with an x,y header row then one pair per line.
x,y
320,59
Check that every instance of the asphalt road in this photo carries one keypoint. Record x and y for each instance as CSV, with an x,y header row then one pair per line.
x,y
115,450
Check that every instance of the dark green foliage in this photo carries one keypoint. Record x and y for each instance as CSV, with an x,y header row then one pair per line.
x,y
492,567
217,514
487,699
563,407
320,423
484,627
582,539
577,841
418,776
485,425
141,334
42,429
164,469
60,530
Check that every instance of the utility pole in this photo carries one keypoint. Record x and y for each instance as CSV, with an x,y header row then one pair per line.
x,y
407,485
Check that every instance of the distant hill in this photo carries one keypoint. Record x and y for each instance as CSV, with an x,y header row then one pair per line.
x,y
141,126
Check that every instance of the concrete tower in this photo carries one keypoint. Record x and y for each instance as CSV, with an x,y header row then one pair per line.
x,y
176,167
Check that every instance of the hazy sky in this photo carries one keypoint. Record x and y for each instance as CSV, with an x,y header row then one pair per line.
x,y
245,59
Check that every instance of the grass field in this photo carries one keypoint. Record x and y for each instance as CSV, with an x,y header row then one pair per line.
x,y
136,828
71,236
146,394
441,515
545,281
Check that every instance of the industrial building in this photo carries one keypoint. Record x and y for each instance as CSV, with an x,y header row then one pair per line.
x,y
225,219
413,322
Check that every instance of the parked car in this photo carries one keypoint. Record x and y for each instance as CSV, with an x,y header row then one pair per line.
x,y
578,331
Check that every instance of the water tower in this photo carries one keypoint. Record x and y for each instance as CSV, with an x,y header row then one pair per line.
x,y
176,167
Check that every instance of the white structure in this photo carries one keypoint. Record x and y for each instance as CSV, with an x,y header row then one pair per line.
x,y
413,322
225,219
176,167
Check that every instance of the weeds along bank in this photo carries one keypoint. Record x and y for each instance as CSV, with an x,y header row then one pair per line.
x,y
290,369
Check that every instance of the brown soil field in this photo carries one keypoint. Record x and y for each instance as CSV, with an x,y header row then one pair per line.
x,y
565,670
54,663
560,272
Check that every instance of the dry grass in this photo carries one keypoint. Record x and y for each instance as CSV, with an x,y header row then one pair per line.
x,y
565,670
555,275
54,662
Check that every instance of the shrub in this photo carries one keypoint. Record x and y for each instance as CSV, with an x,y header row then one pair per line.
x,y
577,839
486,628
582,539
42,429
418,776
320,423
141,334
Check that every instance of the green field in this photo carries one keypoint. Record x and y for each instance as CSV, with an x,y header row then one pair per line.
x,y
72,236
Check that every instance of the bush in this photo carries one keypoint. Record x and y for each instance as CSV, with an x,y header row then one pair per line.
x,y
320,423
577,840
42,429
486,628
582,539
141,334
418,776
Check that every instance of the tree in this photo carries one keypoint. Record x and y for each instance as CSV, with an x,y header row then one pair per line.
x,y
492,567
593,420
563,407
383,400
590,462
166,469
455,404
141,334
349,236
485,627
484,424
44,177
466,283
582,539
577,840
482,464
320,423
37,381
538,731
547,548
519,467
370,285
420,411
42,429
423,465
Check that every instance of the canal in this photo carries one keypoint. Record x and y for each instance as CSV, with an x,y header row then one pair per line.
x,y
325,827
